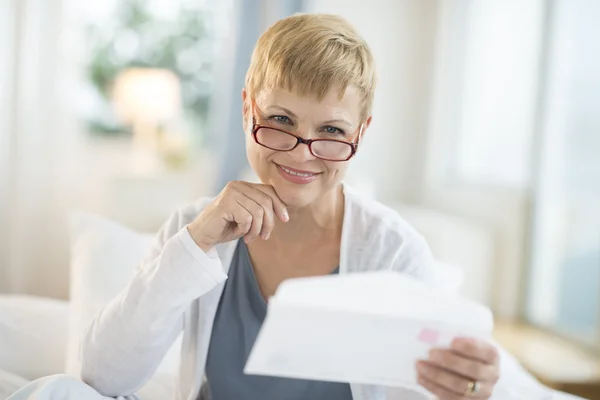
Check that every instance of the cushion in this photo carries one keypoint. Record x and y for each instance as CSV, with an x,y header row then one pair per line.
x,y
10,383
104,255
33,335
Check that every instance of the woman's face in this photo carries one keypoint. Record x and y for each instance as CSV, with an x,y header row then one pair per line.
x,y
299,178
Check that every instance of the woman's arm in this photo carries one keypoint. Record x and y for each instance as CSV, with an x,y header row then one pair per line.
x,y
127,340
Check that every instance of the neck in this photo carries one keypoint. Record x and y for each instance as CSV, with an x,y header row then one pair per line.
x,y
322,217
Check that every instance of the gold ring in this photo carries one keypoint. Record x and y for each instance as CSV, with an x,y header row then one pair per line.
x,y
473,388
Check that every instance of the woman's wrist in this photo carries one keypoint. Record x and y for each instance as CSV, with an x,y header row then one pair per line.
x,y
200,241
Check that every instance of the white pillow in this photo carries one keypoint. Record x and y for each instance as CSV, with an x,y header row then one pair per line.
x,y
10,383
33,335
104,255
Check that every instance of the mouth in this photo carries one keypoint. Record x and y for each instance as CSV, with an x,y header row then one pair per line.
x,y
297,172
296,175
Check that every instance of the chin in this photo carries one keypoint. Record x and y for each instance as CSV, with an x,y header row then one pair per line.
x,y
296,196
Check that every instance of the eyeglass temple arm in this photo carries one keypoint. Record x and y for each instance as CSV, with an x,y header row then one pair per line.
x,y
360,134
252,111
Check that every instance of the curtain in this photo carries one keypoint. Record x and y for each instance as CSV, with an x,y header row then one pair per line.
x,y
36,144
7,49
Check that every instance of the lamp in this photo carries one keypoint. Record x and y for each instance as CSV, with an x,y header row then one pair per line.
x,y
145,98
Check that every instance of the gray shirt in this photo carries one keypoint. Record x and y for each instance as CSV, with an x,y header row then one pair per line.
x,y
239,317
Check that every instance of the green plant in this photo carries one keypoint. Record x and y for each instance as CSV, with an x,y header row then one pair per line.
x,y
135,37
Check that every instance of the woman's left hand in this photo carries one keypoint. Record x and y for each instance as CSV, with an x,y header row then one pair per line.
x,y
452,374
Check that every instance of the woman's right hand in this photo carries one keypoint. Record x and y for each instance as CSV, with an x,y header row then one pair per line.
x,y
241,209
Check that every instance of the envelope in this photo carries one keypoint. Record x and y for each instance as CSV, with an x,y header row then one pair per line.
x,y
364,328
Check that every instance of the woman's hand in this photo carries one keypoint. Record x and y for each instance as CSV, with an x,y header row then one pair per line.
x,y
452,374
241,209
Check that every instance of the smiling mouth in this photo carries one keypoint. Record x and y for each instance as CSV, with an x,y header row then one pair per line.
x,y
297,172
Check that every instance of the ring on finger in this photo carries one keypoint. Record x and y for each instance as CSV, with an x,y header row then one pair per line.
x,y
473,388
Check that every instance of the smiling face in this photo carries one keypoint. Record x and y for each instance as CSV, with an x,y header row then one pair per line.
x,y
299,177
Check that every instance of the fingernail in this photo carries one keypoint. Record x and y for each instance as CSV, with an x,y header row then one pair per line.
x,y
267,236
286,216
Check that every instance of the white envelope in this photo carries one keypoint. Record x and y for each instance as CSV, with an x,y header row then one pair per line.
x,y
366,328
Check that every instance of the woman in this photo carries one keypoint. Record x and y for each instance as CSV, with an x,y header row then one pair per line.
x,y
306,108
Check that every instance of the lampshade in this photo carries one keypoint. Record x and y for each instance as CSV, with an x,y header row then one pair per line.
x,y
147,95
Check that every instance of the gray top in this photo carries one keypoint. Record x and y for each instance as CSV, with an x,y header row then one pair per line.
x,y
239,317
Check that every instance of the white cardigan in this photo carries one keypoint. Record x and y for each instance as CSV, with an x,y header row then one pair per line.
x,y
178,287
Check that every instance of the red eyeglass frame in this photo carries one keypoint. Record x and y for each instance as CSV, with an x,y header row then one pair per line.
x,y
308,142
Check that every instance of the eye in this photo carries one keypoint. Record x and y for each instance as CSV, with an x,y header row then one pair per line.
x,y
332,130
280,119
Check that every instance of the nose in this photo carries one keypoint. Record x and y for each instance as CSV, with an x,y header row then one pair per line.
x,y
301,152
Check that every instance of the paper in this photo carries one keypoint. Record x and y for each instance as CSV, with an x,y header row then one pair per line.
x,y
365,328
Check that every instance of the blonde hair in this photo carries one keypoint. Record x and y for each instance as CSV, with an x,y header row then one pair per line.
x,y
310,54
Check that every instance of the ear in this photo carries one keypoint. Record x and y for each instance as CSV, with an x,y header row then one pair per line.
x,y
244,103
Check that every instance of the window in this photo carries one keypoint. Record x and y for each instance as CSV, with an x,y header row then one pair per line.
x,y
564,287
487,76
498,97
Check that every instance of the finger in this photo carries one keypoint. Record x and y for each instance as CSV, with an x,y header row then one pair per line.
x,y
257,213
277,204
241,217
439,392
476,349
266,202
467,367
449,381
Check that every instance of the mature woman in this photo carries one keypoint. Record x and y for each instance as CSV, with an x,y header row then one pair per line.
x,y
306,108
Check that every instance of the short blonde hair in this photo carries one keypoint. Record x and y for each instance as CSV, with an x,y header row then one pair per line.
x,y
310,54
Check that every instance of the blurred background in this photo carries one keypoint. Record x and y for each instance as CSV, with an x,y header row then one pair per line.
x,y
485,136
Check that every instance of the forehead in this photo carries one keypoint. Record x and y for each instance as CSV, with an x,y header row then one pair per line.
x,y
310,107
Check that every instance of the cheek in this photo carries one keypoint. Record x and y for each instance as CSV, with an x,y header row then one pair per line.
x,y
337,170
257,155
250,146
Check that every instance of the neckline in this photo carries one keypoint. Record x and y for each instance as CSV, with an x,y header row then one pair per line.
x,y
250,270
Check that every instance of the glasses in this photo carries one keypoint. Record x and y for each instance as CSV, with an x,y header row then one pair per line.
x,y
325,149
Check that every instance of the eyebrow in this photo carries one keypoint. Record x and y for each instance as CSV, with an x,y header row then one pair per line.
x,y
338,121
291,114
331,121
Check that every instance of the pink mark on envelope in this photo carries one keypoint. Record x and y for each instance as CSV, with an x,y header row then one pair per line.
x,y
429,336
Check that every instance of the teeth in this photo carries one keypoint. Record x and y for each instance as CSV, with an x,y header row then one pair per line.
x,y
295,173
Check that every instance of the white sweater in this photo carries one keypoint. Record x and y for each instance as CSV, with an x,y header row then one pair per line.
x,y
178,287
